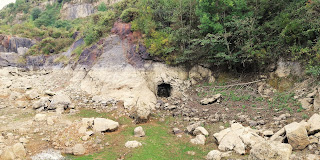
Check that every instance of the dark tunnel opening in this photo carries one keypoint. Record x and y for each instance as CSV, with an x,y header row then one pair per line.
x,y
164,90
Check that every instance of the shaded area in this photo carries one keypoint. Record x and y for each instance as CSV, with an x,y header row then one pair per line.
x,y
164,90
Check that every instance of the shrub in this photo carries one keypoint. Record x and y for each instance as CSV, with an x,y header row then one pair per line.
x,y
102,7
129,14
35,13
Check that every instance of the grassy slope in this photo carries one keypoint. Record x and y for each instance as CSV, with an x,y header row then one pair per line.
x,y
159,143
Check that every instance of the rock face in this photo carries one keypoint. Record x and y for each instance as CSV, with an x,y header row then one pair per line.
x,y
133,144
297,135
73,11
285,68
102,125
270,150
139,132
13,44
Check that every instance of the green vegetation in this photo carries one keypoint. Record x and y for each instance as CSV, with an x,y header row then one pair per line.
x,y
237,34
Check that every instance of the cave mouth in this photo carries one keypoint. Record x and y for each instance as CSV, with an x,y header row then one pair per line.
x,y
164,90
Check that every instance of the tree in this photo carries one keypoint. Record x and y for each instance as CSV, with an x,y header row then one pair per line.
x,y
35,13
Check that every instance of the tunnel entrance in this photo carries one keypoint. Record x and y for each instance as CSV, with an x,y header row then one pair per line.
x,y
164,90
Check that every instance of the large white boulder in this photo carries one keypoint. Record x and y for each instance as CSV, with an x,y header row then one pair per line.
x,y
102,125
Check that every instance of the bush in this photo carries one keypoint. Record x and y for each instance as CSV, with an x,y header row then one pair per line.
x,y
129,14
102,7
35,13
313,70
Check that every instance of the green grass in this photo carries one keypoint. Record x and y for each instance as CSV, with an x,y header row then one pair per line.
x,y
159,143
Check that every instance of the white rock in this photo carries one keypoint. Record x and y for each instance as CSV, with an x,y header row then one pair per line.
x,y
214,155
201,130
19,150
270,150
214,98
50,121
133,144
199,139
314,123
102,124
139,132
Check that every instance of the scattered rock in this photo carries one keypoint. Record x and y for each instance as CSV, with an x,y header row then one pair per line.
x,y
139,132
133,144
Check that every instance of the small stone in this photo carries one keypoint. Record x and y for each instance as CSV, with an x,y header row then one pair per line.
x,y
139,132
133,144
191,153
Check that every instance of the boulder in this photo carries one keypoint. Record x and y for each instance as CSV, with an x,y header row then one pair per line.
x,y
8,154
31,95
229,139
59,101
78,149
200,139
314,123
278,136
216,98
139,132
19,150
42,103
200,130
102,125
297,135
214,155
270,150
306,103
133,144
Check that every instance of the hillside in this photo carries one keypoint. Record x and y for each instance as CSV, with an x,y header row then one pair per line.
x,y
160,79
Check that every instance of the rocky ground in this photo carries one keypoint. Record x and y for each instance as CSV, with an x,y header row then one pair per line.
x,y
45,116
